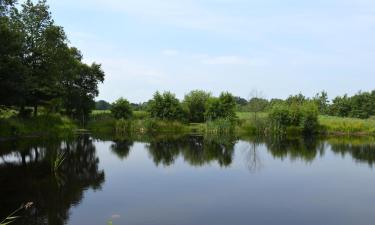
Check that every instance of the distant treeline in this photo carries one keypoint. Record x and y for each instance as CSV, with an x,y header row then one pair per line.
x,y
360,105
39,68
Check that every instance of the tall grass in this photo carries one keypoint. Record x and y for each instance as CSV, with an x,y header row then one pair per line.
x,y
43,125
220,126
11,218
346,126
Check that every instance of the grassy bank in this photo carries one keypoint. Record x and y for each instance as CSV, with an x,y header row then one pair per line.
x,y
346,126
43,125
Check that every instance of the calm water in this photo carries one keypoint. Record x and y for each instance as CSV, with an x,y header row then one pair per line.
x,y
190,180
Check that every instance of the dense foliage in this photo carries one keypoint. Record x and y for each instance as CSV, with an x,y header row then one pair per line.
x,y
222,107
39,68
196,104
102,105
295,118
121,109
166,106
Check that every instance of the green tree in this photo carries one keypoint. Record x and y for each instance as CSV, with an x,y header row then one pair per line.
x,y
195,103
321,100
222,107
12,70
102,105
166,107
43,44
121,109
341,106
297,99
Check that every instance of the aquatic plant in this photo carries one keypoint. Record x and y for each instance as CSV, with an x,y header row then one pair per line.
x,y
13,216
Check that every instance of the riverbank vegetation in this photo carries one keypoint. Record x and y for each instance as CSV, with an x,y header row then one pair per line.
x,y
46,88
200,112
44,83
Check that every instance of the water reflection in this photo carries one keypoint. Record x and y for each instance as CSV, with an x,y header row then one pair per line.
x,y
199,150
25,165
25,175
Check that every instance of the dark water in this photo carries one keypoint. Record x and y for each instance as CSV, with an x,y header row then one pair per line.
x,y
190,180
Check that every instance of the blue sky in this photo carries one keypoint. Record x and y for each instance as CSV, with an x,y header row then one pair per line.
x,y
276,47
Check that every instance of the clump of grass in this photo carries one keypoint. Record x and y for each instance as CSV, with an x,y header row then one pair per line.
x,y
140,115
13,216
220,126
57,161
347,126
42,125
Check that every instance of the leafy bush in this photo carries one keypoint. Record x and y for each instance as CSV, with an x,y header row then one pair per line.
x,y
222,107
196,103
121,109
166,107
295,118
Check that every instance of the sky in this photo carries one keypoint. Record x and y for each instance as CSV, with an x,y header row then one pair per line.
x,y
275,47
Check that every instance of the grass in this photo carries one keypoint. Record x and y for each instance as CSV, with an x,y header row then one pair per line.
x,y
347,126
43,125
247,123
13,216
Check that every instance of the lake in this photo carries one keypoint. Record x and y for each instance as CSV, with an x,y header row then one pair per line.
x,y
189,180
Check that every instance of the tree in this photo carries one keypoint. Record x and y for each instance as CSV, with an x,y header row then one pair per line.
x,y
195,103
297,99
12,70
222,107
321,100
257,103
121,109
341,106
166,107
102,105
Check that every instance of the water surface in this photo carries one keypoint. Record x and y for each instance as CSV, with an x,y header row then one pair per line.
x,y
190,180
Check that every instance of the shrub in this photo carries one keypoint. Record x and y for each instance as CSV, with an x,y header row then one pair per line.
x,y
166,107
121,109
196,103
222,107
294,118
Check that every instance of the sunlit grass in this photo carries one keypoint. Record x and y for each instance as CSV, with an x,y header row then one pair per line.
x,y
333,125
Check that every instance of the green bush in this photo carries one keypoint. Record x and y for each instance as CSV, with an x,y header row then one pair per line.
x,y
196,103
222,107
166,107
296,118
121,109
43,125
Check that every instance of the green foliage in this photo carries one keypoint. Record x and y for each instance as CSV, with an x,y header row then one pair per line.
x,y
293,119
220,126
321,100
196,103
361,105
222,107
44,125
140,115
257,105
102,105
166,107
121,109
39,68
347,126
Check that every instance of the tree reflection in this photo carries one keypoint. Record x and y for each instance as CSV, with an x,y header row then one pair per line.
x,y
196,150
26,176
122,147
362,149
306,149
